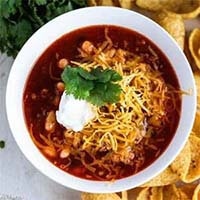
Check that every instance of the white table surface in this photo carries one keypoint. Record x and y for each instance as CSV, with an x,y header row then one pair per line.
x,y
19,180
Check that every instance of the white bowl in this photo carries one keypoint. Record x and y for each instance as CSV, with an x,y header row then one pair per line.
x,y
65,23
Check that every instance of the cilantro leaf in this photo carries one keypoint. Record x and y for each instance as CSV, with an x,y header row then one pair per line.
x,y
85,74
76,84
104,93
97,86
112,93
105,75
2,144
97,94
116,77
21,32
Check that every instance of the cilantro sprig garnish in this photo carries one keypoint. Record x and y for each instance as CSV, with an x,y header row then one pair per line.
x,y
19,19
97,86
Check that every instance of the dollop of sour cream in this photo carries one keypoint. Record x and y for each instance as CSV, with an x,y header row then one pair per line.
x,y
74,113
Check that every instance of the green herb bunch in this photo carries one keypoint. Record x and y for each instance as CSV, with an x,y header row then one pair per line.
x,y
98,86
19,19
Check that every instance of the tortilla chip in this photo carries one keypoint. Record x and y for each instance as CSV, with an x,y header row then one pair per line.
x,y
181,164
196,195
155,5
128,4
165,178
194,169
133,193
144,194
183,195
188,53
173,24
189,9
107,3
152,193
124,195
156,193
197,81
194,45
188,189
196,126
186,9
170,192
101,196
92,3
173,193
102,3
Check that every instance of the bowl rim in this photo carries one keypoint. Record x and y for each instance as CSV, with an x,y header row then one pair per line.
x,y
103,15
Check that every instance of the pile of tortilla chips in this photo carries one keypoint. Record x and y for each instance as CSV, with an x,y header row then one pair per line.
x,y
170,14
180,180
129,4
186,8
169,192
